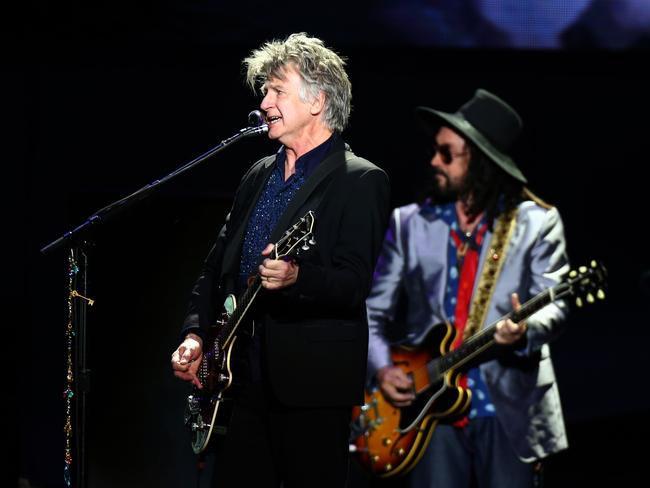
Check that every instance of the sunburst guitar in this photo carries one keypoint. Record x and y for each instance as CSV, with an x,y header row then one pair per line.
x,y
388,440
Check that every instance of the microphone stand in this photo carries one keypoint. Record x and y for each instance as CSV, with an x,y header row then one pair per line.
x,y
79,250
140,194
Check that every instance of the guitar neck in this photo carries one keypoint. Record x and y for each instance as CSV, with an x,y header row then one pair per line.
x,y
484,340
243,304
297,239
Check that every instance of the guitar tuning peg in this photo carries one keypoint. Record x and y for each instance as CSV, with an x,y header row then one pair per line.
x,y
594,264
579,302
582,269
312,241
305,247
573,274
600,294
590,298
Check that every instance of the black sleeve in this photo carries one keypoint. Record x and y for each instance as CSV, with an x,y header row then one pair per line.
x,y
346,283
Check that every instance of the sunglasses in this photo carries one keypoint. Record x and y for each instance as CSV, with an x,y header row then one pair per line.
x,y
445,153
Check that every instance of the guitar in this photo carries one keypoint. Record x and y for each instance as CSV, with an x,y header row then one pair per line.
x,y
207,410
389,440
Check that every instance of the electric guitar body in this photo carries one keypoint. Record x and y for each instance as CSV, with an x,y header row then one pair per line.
x,y
389,440
208,409
397,442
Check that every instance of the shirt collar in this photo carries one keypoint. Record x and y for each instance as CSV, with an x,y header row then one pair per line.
x,y
307,163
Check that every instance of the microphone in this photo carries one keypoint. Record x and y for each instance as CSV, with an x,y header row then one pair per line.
x,y
256,119
257,124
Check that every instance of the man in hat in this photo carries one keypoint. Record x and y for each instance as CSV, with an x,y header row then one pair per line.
x,y
466,256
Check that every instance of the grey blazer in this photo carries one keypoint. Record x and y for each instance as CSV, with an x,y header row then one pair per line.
x,y
413,264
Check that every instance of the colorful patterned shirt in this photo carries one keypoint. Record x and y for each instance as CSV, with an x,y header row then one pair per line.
x,y
462,281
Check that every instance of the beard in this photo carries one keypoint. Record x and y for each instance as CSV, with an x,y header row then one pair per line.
x,y
442,188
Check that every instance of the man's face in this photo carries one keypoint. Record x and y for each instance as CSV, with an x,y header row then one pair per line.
x,y
289,117
450,163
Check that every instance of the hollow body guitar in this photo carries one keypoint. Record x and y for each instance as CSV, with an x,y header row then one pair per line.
x,y
389,440
207,410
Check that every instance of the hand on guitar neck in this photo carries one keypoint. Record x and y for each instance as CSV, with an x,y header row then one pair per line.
x,y
397,386
508,332
277,273
187,359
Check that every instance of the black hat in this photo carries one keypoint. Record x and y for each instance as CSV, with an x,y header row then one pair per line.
x,y
487,121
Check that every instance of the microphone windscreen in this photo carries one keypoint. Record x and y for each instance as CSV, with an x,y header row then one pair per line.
x,y
255,118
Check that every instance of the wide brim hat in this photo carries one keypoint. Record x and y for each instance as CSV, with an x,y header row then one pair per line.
x,y
487,121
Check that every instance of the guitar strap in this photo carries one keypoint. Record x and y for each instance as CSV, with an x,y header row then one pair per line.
x,y
492,265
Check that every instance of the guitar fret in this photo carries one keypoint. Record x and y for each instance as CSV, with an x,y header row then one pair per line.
x,y
529,308
478,342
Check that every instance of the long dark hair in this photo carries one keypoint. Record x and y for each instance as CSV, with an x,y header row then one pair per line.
x,y
492,190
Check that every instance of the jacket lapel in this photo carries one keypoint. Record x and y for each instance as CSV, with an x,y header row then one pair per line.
x,y
335,160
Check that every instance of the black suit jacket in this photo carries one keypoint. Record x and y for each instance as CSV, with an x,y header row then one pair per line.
x,y
315,331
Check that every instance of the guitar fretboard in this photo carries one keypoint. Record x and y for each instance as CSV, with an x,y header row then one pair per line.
x,y
484,339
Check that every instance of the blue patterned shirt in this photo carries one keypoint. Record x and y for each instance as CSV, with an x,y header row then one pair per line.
x,y
272,203
481,403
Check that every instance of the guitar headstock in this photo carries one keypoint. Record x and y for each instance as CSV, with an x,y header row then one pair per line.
x,y
297,239
587,283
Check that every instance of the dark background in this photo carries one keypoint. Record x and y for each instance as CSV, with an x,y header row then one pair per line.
x,y
101,100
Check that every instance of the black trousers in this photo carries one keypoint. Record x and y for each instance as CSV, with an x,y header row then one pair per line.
x,y
272,445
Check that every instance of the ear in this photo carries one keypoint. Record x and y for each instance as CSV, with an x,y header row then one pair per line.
x,y
317,104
